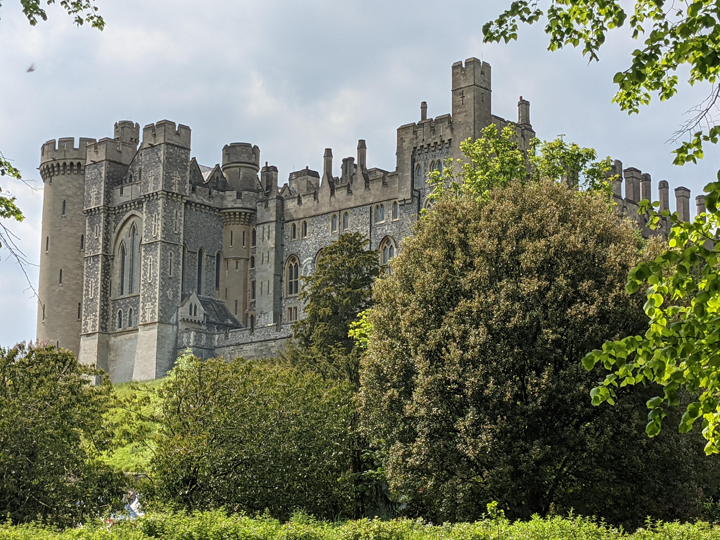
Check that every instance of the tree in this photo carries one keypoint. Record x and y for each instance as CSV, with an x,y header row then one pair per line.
x,y
472,387
251,436
51,436
333,296
679,348
494,160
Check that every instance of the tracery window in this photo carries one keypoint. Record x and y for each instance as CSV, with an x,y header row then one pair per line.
x,y
387,250
293,276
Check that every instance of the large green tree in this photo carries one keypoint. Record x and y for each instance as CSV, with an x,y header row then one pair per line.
x,y
473,388
251,436
333,296
679,348
51,434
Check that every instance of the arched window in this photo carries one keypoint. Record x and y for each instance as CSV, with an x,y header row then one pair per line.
x,y
293,232
293,276
439,166
119,319
418,177
253,238
395,210
133,257
170,264
218,262
387,251
252,261
379,213
200,257
60,281
123,256
304,229
334,223
346,220
130,318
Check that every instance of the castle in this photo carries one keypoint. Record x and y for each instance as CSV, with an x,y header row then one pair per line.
x,y
146,253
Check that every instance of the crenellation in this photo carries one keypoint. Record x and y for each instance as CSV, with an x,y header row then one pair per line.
x,y
179,255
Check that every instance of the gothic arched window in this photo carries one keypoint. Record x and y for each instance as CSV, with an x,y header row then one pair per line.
x,y
130,318
395,210
123,257
346,220
418,177
293,276
293,232
379,213
252,261
304,229
387,250
133,257
334,223
200,257
119,320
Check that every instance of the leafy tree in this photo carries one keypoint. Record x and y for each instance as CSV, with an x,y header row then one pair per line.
x,y
250,436
472,387
333,296
494,160
679,348
82,11
51,435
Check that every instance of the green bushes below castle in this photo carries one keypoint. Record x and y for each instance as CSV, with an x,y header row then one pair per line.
x,y
218,525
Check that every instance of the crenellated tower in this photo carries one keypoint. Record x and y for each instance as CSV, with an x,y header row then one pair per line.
x,y
60,293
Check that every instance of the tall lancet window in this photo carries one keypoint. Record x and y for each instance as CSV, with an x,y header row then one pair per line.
x,y
123,256
133,258
201,255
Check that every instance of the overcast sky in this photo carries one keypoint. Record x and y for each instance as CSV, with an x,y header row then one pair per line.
x,y
295,77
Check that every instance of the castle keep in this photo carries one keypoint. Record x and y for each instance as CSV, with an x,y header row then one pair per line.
x,y
146,253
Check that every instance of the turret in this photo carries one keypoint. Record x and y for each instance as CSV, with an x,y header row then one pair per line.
x,y
471,100
127,132
241,164
60,287
269,179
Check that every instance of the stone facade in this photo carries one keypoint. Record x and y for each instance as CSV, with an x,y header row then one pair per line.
x,y
159,254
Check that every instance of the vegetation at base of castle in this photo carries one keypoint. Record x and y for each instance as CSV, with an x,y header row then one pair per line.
x,y
52,432
217,524
681,347
333,296
251,436
494,160
674,36
473,389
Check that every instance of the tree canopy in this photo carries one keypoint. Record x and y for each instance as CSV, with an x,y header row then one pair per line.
x,y
473,388
333,296
51,435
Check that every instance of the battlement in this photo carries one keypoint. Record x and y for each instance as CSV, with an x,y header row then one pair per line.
x,y
165,132
127,132
64,149
107,149
472,73
241,154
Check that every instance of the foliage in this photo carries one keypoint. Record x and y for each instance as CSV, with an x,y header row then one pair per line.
x,y
674,35
51,433
217,525
82,11
473,386
333,296
680,347
494,160
252,436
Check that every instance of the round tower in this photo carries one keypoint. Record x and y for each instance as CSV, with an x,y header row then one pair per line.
x,y
241,163
60,288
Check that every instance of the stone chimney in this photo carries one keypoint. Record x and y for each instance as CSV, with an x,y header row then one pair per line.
x,y
646,187
682,203
700,204
632,184
523,112
423,111
664,190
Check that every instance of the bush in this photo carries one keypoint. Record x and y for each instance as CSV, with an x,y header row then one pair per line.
x,y
473,387
253,435
51,435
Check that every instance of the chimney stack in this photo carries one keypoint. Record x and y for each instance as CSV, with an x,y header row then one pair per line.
x,y
682,203
362,155
700,204
646,187
423,111
523,112
616,171
632,184
327,165
664,195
